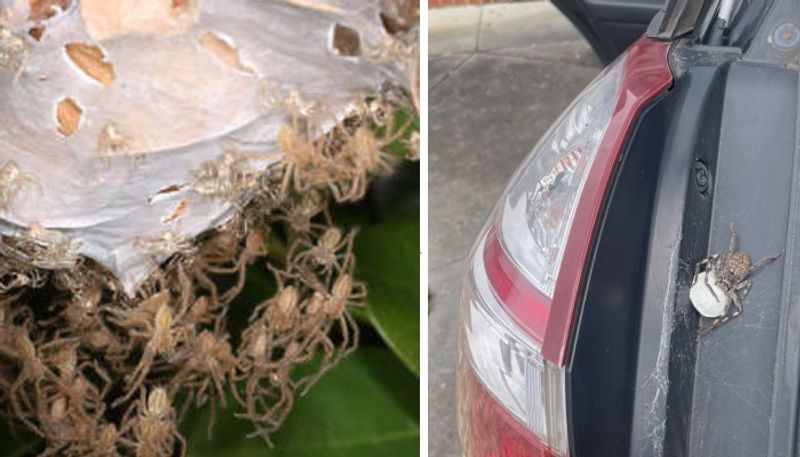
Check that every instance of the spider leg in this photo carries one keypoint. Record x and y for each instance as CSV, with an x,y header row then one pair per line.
x,y
701,266
235,389
183,410
212,418
299,250
186,293
182,441
14,399
765,261
336,191
288,171
716,323
349,335
710,289
219,379
349,330
397,132
331,355
732,242
355,333
262,422
348,259
276,413
744,286
139,375
125,443
736,303
231,294
287,402
705,330
53,449
254,398
103,375
206,282
128,422
359,291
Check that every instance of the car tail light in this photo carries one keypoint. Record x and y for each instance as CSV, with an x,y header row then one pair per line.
x,y
526,269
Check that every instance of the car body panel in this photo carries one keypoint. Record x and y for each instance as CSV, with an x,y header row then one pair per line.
x,y
639,383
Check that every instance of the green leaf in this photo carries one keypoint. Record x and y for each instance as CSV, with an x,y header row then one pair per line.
x,y
388,261
367,406
387,257
398,148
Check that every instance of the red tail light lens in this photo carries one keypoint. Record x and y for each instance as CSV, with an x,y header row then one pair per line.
x,y
526,270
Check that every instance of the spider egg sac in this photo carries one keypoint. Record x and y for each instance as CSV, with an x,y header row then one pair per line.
x,y
132,127
706,302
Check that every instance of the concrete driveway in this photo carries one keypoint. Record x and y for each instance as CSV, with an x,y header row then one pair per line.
x,y
498,77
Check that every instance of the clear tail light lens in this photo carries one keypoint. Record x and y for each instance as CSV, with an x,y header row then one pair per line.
x,y
525,271
504,382
540,203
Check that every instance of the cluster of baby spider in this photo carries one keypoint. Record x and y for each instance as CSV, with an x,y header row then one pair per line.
x,y
95,373
345,158
297,324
